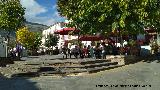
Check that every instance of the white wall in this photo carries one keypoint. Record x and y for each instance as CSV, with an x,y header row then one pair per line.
x,y
3,48
52,29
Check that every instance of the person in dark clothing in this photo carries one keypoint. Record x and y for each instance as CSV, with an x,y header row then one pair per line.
x,y
81,52
118,50
109,49
64,51
115,51
75,51
12,54
104,50
56,51
85,51
19,50
69,52
97,51
88,51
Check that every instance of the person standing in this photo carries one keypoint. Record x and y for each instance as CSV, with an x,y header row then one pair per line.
x,y
97,51
76,51
88,51
64,51
18,50
104,50
84,51
91,50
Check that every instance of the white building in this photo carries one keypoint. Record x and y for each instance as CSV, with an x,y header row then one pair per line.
x,y
52,29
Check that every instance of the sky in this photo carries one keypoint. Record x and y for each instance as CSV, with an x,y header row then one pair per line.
x,y
41,11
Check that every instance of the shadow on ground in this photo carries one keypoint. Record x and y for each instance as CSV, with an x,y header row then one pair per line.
x,y
153,58
33,57
62,58
17,84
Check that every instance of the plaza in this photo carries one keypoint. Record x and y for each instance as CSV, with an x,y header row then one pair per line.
x,y
79,45
144,73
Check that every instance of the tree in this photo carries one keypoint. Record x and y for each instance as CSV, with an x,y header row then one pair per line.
x,y
37,41
127,16
11,15
29,40
52,40
25,37
12,43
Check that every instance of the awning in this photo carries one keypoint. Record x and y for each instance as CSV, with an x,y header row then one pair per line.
x,y
91,38
66,31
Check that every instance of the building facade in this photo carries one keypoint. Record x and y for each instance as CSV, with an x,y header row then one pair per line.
x,y
54,28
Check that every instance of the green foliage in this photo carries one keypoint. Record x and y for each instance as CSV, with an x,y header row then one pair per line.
x,y
52,40
11,15
129,16
12,43
28,39
132,42
37,40
25,37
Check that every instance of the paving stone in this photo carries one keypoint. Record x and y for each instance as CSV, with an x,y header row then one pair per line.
x,y
69,66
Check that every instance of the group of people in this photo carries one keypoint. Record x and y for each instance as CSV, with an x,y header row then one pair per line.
x,y
99,51
16,52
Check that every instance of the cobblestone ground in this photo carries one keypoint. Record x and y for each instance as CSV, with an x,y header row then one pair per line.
x,y
142,73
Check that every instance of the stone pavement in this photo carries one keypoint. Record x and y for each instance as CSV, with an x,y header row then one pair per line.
x,y
142,73
47,65
43,57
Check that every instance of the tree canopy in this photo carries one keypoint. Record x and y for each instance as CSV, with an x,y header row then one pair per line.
x,y
51,40
129,16
11,15
30,40
25,37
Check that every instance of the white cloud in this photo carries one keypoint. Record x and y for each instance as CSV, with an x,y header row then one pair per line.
x,y
33,9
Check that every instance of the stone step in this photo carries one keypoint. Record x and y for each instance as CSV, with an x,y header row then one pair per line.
x,y
27,74
89,70
88,65
100,64
97,69
93,61
45,69
66,72
51,72
65,62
